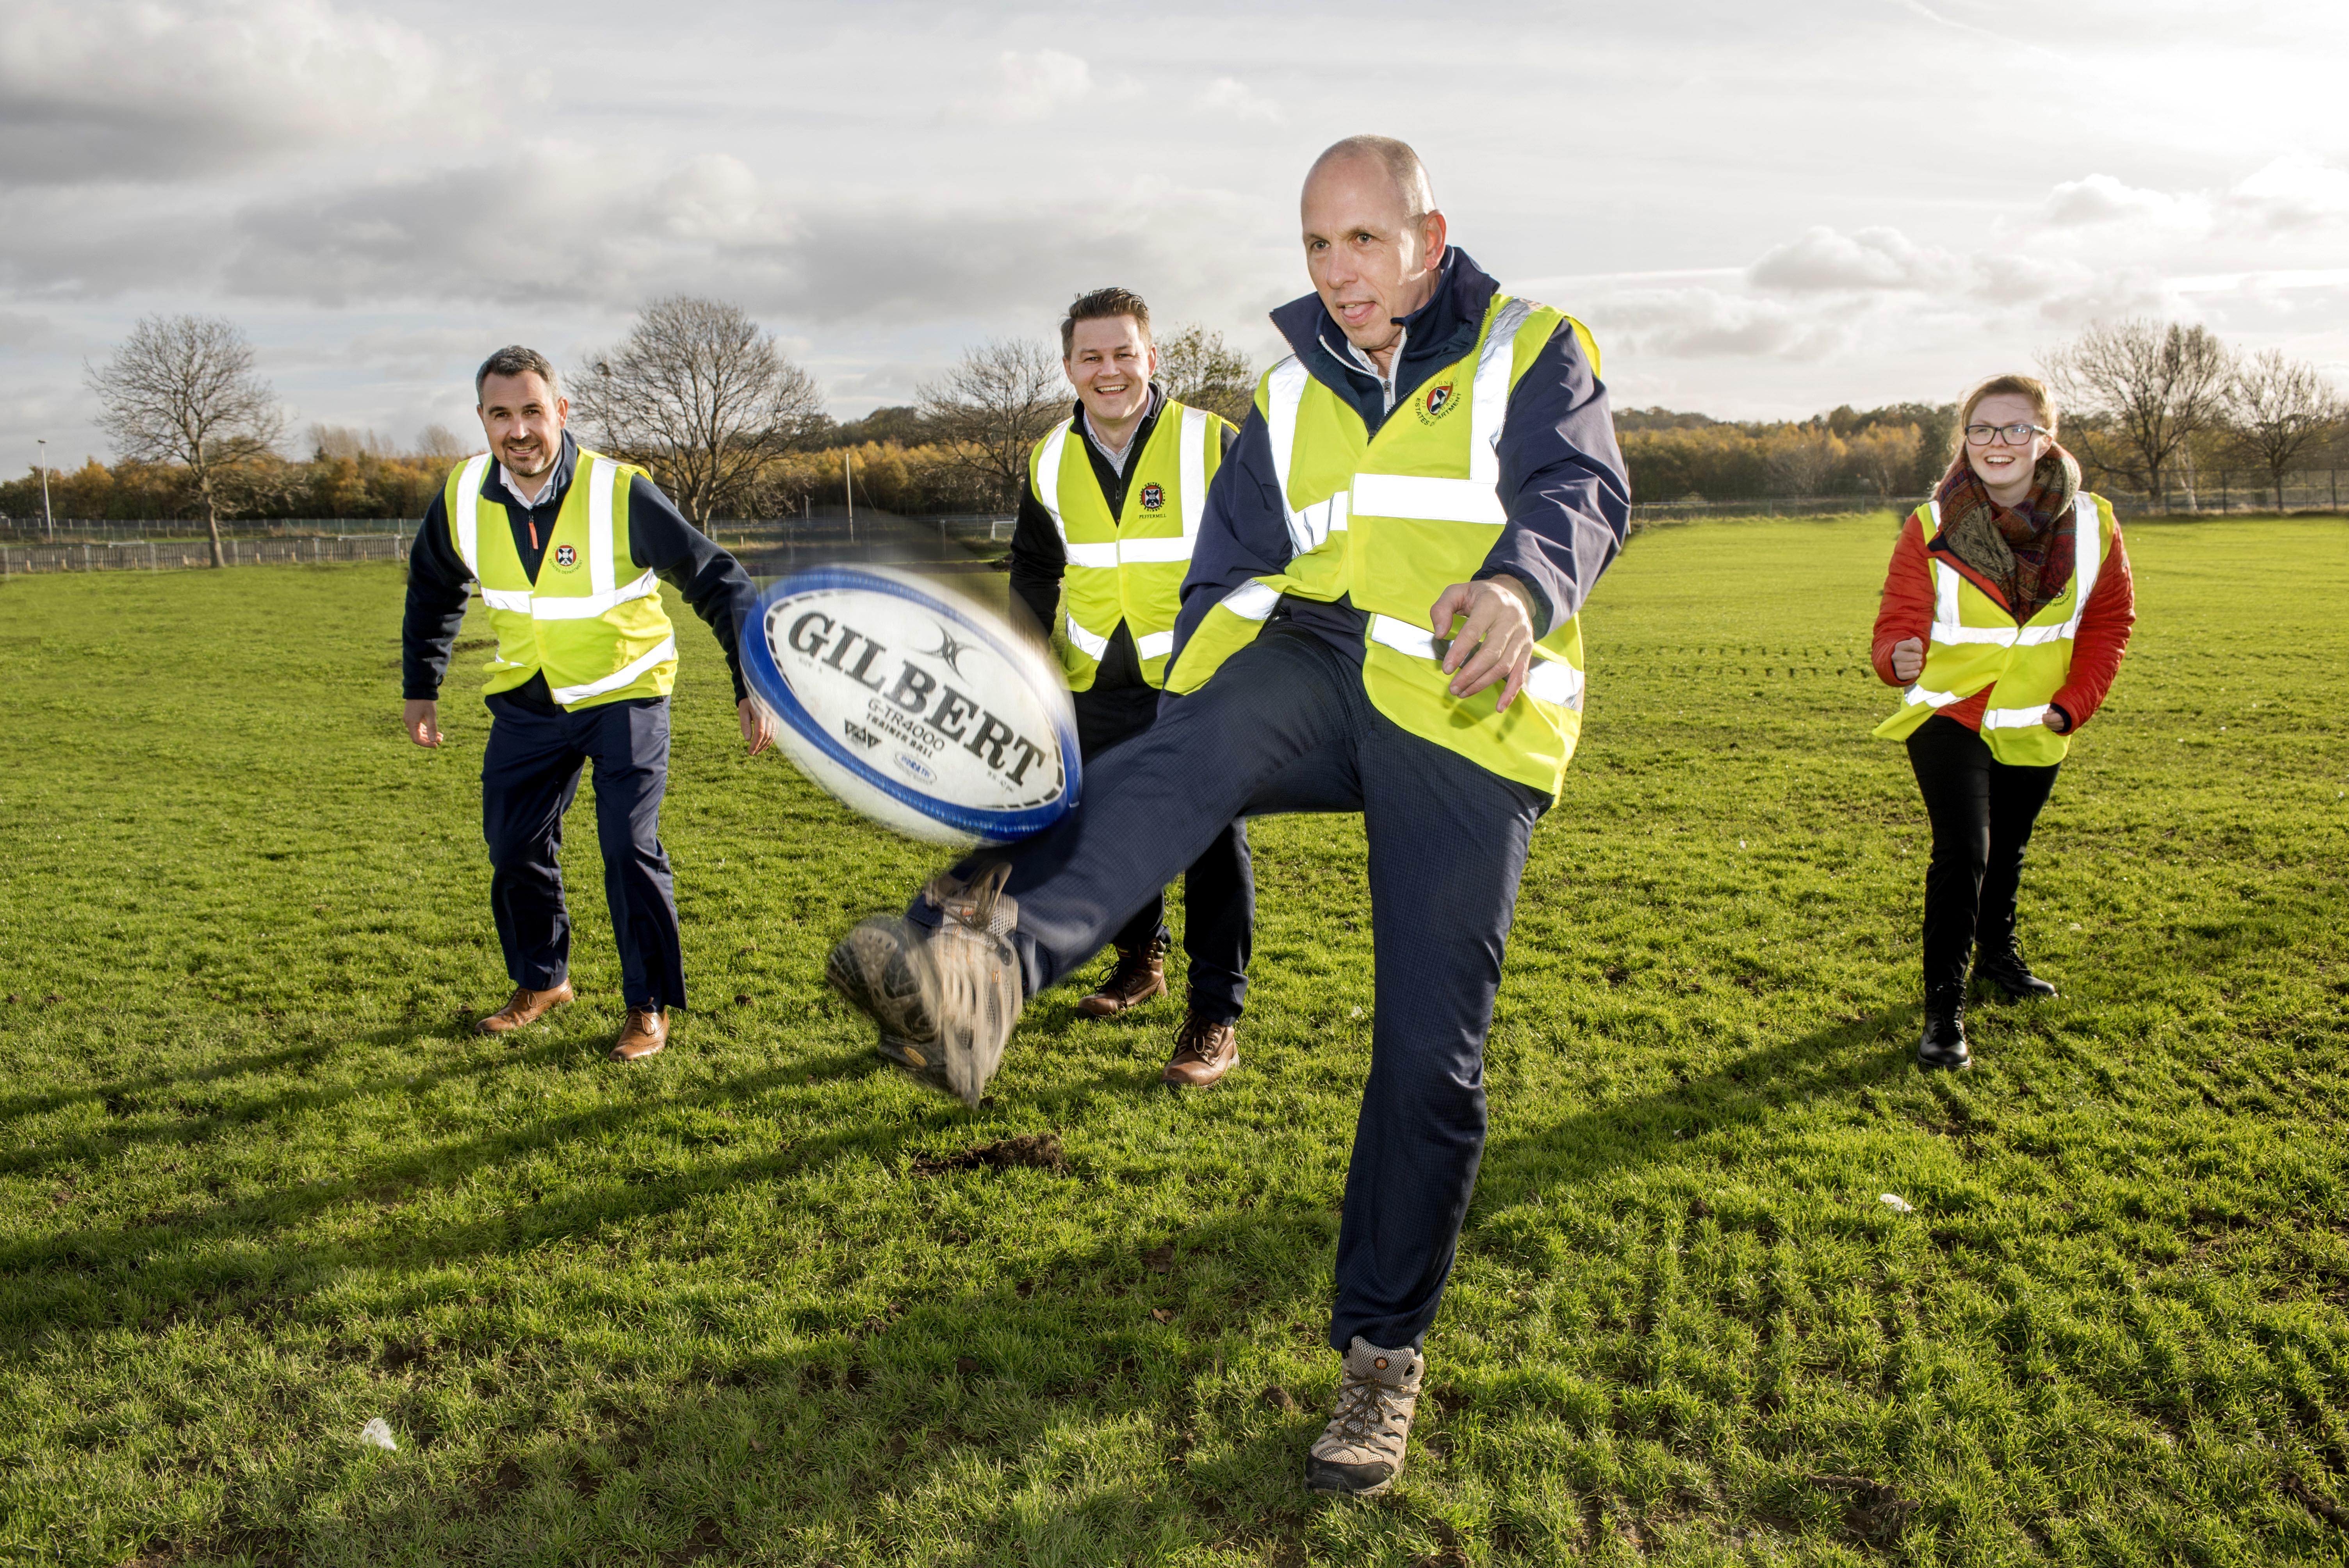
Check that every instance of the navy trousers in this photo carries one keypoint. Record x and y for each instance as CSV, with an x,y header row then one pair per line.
x,y
1285,725
1218,890
530,774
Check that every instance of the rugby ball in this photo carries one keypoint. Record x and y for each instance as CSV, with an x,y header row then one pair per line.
x,y
925,711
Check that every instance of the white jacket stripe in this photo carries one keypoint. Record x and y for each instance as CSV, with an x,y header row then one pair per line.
x,y
1197,422
1488,404
1048,481
468,513
1553,681
603,576
627,676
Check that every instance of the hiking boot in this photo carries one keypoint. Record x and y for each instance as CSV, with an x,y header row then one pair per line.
x,y
2006,973
1139,974
946,998
643,1034
1204,1052
1360,1452
1944,1042
525,1006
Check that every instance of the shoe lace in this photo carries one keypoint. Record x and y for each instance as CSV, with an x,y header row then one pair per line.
x,y
1195,1040
1362,1409
975,903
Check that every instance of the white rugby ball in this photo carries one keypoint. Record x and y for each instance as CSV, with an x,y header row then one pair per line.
x,y
925,711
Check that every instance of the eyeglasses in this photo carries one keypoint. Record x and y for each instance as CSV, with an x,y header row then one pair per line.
x,y
2014,435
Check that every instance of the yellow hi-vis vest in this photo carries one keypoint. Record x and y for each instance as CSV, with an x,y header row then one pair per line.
x,y
1977,643
1128,567
597,638
1392,520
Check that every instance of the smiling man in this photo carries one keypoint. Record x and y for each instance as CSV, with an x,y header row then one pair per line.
x,y
569,548
1380,616
1107,518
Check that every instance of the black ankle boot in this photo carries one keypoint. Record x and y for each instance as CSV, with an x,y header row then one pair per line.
x,y
1944,1044
2006,972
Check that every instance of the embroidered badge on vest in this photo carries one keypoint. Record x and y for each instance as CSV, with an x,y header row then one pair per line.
x,y
1431,407
565,557
1153,496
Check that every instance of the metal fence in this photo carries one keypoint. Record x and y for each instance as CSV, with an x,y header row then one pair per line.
x,y
174,555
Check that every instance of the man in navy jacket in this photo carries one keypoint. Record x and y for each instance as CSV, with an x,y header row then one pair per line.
x,y
1284,723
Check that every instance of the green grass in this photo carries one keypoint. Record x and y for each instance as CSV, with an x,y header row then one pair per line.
x,y
258,1183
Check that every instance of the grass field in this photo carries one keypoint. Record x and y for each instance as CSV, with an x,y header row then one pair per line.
x,y
759,1301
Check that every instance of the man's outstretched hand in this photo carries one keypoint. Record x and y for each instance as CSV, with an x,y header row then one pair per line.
x,y
422,721
757,725
1496,644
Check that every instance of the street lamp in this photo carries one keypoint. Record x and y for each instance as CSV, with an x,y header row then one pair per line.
x,y
47,520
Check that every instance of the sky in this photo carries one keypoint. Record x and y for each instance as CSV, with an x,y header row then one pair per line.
x,y
1760,210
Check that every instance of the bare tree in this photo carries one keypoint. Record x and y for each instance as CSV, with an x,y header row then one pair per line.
x,y
700,396
180,389
994,405
439,443
2280,409
2150,388
1196,366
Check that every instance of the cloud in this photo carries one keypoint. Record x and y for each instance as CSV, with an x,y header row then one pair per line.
x,y
2294,193
2100,198
1228,97
1869,259
575,227
1027,87
107,89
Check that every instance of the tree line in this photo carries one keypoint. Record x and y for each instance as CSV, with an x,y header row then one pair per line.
x,y
732,427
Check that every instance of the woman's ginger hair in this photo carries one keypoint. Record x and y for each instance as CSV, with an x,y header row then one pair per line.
x,y
2030,386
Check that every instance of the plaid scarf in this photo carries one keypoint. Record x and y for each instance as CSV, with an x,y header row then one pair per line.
x,y
2027,552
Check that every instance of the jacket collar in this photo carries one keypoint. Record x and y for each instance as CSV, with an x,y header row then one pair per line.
x,y
1434,336
494,487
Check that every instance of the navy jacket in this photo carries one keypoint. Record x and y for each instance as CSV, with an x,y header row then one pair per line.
x,y
1562,478
659,540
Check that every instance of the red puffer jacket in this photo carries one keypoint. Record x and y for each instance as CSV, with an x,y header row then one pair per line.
x,y
1907,611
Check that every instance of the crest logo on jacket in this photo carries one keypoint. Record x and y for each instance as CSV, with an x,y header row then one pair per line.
x,y
1433,402
1153,496
565,557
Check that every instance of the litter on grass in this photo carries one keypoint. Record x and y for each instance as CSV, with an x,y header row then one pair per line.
x,y
378,1433
1896,1202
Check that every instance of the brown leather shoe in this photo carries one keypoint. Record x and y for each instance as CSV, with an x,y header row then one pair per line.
x,y
1139,974
525,1006
645,1032
1204,1052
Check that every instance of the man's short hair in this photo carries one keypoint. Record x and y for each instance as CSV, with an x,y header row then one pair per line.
x,y
1401,164
1100,306
514,359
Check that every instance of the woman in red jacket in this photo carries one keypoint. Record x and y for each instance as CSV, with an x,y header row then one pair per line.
x,y
2005,613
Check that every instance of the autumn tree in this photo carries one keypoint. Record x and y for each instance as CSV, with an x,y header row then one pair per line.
x,y
994,405
2148,389
2280,409
702,397
1198,367
181,390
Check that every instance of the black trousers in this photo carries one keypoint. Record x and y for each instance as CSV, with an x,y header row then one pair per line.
x,y
1219,887
1982,811
1285,725
530,774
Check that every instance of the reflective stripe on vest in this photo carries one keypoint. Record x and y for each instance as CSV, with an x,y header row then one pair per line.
x,y
1125,566
608,641
1950,629
1385,520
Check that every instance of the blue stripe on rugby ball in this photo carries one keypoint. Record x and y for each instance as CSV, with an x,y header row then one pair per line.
x,y
767,680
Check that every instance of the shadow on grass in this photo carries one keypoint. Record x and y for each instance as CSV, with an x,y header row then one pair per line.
x,y
873,1422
